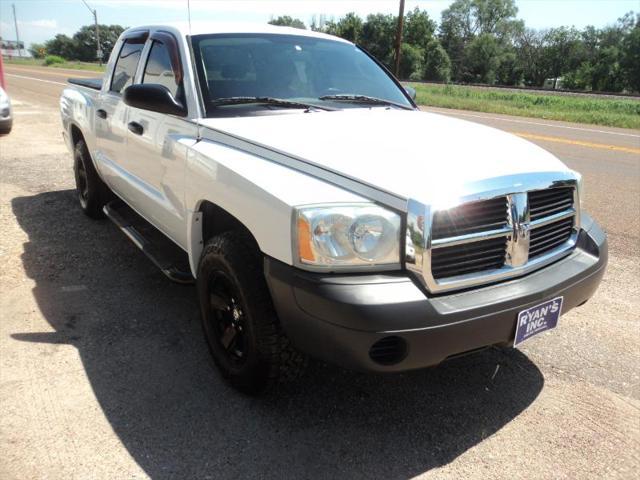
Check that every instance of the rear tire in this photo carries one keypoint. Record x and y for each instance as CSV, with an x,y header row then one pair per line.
x,y
92,193
238,318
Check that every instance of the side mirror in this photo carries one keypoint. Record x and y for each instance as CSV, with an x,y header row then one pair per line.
x,y
411,91
156,98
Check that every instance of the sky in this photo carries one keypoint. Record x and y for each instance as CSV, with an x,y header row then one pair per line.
x,y
40,20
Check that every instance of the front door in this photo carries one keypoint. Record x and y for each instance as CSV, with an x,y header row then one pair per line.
x,y
158,143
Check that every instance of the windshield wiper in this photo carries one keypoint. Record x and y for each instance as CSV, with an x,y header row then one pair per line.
x,y
364,99
278,102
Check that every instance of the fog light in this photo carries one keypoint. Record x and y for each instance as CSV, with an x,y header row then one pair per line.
x,y
388,351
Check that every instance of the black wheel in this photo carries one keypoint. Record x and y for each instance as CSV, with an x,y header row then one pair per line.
x,y
238,318
92,193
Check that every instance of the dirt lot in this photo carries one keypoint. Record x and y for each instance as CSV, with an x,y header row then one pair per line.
x,y
103,372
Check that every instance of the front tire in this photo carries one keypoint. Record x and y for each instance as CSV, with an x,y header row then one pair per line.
x,y
92,193
238,318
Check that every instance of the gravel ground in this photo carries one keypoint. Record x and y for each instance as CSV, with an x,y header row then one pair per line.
x,y
104,374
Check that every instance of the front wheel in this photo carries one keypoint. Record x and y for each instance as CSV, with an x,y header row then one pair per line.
x,y
238,317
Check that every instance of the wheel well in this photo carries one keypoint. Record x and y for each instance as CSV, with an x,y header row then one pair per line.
x,y
76,135
216,220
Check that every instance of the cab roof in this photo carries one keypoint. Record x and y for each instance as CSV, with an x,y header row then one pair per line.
x,y
183,29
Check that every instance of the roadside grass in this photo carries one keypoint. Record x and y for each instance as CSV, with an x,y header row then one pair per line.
x,y
611,112
93,67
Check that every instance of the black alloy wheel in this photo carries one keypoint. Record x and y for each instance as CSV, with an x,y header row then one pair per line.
x,y
92,193
239,321
81,183
226,322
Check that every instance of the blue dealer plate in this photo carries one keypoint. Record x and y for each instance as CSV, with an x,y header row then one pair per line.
x,y
537,319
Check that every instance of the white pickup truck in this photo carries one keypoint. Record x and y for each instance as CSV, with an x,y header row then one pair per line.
x,y
318,210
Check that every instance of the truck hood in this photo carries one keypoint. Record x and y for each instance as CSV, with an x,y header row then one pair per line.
x,y
411,154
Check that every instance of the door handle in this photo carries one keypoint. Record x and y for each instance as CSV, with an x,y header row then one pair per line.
x,y
136,128
101,113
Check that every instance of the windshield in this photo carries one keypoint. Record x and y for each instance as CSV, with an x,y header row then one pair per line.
x,y
288,67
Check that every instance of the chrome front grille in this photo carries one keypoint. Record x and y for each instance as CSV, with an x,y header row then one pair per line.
x,y
470,218
487,240
543,203
548,237
459,246
468,258
547,232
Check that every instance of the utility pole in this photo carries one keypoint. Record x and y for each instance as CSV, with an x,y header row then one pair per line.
x,y
94,12
399,37
15,21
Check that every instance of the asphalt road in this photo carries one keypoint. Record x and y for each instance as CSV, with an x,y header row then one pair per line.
x,y
104,374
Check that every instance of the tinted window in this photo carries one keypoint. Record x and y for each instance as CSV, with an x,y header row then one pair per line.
x,y
289,67
126,65
159,69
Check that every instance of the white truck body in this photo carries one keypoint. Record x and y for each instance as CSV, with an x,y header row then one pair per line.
x,y
292,174
179,163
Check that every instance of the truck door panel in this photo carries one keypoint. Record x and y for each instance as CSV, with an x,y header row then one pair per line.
x,y
157,145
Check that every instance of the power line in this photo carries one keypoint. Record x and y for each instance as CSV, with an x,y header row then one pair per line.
x,y
87,5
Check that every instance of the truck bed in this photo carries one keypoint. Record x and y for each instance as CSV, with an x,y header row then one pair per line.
x,y
93,83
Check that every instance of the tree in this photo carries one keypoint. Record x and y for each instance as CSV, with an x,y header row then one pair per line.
x,y
287,21
85,41
483,41
349,27
61,45
489,25
437,66
38,50
530,47
509,70
630,58
418,28
482,59
378,34
495,17
563,51
470,18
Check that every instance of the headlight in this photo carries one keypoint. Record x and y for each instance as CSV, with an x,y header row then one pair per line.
x,y
346,236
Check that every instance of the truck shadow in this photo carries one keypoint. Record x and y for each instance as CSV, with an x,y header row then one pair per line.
x,y
139,339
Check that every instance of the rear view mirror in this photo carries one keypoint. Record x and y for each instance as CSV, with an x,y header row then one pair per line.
x,y
411,91
155,98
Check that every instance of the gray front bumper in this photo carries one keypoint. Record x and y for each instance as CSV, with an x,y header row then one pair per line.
x,y
6,124
338,318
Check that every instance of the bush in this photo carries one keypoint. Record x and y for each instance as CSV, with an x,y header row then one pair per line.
x,y
411,66
38,50
53,59
437,65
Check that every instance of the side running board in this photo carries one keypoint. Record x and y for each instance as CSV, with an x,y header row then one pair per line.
x,y
161,251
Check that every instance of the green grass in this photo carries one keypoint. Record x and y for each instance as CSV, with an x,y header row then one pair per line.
x,y
612,112
94,67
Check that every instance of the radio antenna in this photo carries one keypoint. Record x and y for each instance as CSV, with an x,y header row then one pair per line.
x,y
189,14
198,137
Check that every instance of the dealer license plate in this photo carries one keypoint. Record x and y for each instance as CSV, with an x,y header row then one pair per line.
x,y
537,319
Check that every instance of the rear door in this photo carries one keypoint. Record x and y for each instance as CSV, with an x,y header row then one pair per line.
x,y
157,144
111,115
